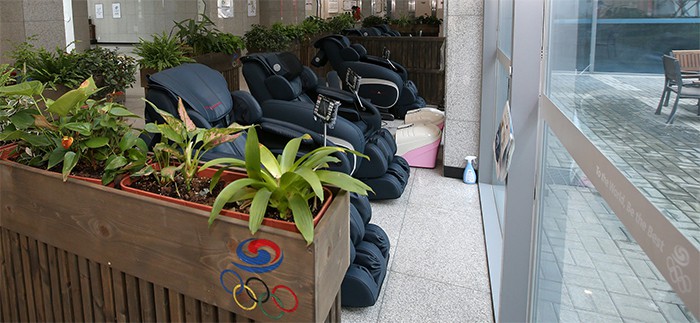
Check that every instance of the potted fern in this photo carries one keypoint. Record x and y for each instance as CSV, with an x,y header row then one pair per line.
x,y
162,52
210,46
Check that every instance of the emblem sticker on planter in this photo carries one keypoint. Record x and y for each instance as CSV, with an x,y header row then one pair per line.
x,y
262,256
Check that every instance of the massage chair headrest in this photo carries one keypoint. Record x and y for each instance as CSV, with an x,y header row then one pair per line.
x,y
284,64
361,50
200,87
286,78
340,40
247,111
353,53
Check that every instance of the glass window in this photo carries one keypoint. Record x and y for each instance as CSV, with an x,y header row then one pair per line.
x,y
505,26
589,268
616,111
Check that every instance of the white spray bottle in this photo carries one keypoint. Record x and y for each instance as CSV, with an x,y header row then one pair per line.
x,y
469,173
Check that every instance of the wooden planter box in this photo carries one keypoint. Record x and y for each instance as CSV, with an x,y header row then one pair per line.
x,y
428,30
77,251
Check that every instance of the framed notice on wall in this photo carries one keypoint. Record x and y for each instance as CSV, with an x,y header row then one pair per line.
x,y
99,11
332,6
252,8
116,10
225,8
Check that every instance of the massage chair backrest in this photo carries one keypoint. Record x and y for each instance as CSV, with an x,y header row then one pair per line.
x,y
206,98
204,93
387,31
339,51
279,76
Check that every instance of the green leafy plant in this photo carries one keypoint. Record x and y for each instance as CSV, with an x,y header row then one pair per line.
x,y
203,37
293,32
428,20
7,74
161,53
75,131
340,23
262,39
183,144
283,183
113,72
371,21
403,21
313,25
49,67
15,97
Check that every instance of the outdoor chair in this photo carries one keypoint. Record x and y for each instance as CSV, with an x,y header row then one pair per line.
x,y
674,83
689,61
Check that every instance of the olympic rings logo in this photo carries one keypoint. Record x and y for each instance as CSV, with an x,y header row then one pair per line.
x,y
675,263
260,261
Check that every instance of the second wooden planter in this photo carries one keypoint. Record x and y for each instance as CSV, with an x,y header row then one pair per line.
x,y
117,255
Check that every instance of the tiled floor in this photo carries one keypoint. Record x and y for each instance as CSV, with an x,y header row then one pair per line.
x,y
437,270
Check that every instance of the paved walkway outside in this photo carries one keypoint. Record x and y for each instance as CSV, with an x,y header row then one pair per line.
x,y
591,269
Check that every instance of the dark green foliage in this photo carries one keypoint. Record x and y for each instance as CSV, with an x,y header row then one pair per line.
x,y
55,67
203,37
161,53
428,20
340,22
262,39
112,72
372,21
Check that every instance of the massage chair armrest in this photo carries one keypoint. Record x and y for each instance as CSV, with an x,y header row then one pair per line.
x,y
348,99
289,130
343,96
392,65
301,114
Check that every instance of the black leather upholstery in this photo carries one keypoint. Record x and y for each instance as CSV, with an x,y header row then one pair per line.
x,y
287,92
342,55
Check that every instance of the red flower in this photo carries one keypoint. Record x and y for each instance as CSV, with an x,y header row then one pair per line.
x,y
66,142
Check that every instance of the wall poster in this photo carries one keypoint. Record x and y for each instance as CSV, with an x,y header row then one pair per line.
x,y
116,10
225,8
252,8
332,6
99,11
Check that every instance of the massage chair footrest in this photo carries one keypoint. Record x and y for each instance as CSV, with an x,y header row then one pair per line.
x,y
392,184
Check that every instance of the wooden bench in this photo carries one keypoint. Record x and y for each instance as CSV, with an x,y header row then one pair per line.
x,y
689,61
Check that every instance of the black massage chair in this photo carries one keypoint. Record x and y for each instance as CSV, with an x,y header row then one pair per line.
x,y
384,82
287,91
209,104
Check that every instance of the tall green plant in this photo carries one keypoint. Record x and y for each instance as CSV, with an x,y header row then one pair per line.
x,y
371,21
284,183
203,37
262,39
340,23
49,67
161,53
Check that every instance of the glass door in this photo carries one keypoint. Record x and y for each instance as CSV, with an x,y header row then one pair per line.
x,y
615,238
